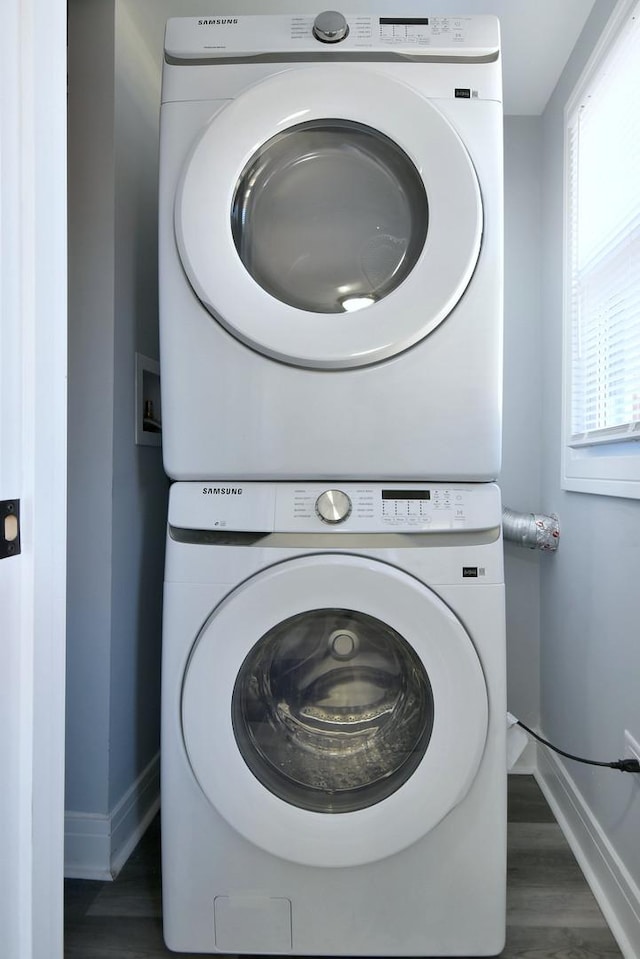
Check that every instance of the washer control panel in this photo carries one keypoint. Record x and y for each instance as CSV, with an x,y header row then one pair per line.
x,y
368,508
215,37
332,507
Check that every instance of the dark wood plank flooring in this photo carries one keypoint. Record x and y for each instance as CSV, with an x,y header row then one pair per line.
x,y
551,911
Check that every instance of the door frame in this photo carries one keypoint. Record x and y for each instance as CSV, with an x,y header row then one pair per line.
x,y
33,333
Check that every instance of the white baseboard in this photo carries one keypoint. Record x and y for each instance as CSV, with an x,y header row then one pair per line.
x,y
87,846
97,847
527,763
614,888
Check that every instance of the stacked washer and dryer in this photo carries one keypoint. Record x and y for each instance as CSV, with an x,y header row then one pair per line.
x,y
333,718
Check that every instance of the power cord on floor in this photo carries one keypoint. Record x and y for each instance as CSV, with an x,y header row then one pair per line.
x,y
623,765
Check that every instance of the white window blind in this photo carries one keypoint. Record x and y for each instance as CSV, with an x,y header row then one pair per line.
x,y
603,251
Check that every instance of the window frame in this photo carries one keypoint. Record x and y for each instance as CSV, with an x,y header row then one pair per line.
x,y
607,464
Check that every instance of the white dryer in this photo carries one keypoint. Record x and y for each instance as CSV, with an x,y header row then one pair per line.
x,y
331,247
333,720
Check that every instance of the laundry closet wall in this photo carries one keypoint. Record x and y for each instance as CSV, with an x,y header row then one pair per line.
x,y
117,490
590,652
581,669
520,478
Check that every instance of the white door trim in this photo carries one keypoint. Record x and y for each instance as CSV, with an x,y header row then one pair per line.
x,y
33,333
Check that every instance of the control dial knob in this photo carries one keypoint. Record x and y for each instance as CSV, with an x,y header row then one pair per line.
x,y
333,506
330,27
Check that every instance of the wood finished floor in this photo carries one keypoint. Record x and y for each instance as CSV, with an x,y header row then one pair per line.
x,y
551,911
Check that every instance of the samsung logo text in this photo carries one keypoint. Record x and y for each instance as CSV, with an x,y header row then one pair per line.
x,y
222,491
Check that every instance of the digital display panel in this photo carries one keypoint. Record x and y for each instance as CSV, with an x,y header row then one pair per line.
x,y
406,494
404,21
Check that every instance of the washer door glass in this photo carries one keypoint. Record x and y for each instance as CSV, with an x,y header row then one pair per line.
x,y
329,216
332,710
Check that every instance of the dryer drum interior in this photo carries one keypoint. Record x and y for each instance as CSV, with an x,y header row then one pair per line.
x,y
330,216
332,710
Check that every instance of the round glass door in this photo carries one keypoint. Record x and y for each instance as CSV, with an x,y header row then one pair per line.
x,y
321,190
332,710
329,216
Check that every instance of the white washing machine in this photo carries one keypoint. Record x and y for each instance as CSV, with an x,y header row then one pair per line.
x,y
333,720
331,247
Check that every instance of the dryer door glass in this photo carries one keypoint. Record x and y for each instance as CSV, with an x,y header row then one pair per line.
x,y
329,216
332,710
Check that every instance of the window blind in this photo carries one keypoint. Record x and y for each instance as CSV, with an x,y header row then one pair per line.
x,y
603,160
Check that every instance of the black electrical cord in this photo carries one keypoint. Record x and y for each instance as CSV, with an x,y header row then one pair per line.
x,y
623,765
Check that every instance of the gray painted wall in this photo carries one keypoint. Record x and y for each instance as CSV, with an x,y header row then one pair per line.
x,y
91,161
590,652
139,485
520,478
117,491
572,609
120,675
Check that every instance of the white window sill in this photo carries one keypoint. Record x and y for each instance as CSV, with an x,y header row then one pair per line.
x,y
612,469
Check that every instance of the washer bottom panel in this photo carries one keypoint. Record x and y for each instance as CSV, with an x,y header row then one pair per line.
x,y
443,896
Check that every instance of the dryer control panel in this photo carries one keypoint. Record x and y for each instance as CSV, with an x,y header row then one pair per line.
x,y
324,507
475,38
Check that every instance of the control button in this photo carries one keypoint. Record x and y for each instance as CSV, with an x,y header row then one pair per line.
x,y
330,27
333,506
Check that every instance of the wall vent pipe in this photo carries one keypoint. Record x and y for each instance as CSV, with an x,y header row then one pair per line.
x,y
532,530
